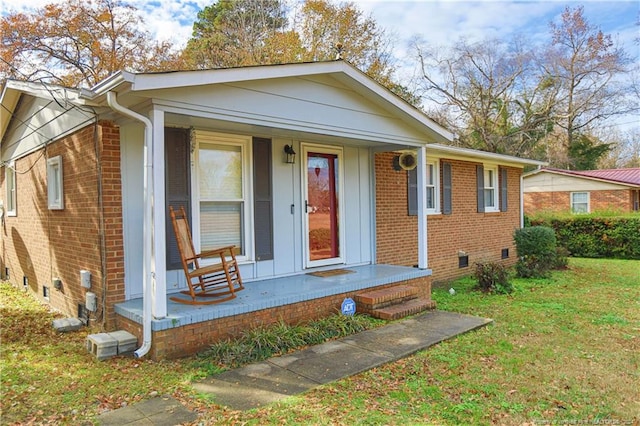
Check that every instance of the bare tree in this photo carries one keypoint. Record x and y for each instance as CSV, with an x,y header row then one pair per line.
x,y
586,68
486,93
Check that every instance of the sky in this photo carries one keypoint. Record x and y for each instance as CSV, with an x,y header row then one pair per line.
x,y
439,22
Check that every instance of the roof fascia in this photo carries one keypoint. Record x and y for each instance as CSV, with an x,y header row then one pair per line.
x,y
466,153
581,176
176,79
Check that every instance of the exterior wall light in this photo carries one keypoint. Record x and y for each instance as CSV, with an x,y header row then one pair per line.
x,y
290,153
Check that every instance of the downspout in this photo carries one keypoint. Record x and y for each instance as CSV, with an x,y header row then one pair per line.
x,y
521,201
148,263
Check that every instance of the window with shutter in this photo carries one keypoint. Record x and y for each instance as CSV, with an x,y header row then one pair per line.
x,y
432,203
225,202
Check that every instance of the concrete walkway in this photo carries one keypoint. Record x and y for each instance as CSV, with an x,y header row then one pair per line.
x,y
269,381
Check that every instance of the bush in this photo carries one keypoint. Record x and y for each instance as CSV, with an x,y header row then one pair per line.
x,y
597,237
493,278
537,251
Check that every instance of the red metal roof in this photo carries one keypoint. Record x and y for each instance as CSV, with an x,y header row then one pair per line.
x,y
629,176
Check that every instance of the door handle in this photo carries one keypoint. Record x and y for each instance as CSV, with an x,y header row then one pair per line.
x,y
306,206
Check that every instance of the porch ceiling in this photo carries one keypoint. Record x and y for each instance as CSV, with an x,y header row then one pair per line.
x,y
275,292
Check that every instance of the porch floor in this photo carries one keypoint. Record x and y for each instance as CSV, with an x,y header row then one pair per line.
x,y
274,292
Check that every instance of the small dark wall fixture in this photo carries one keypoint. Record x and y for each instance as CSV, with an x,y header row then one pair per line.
x,y
290,154
505,253
463,261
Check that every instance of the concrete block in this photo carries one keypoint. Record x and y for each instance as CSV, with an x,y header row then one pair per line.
x,y
102,345
127,342
67,324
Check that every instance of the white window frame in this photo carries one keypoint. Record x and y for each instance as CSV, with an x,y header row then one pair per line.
x,y
494,186
572,202
55,183
10,182
435,164
245,144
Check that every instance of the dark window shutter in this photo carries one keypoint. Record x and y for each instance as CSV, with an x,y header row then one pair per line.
x,y
412,192
177,186
480,184
447,206
503,190
263,198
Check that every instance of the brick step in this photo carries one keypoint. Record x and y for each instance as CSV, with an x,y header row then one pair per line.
x,y
376,299
401,310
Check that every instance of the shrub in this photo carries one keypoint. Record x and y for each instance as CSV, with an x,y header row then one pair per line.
x,y
537,251
493,278
596,237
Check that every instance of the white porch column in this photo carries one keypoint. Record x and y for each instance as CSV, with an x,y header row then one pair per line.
x,y
422,212
159,292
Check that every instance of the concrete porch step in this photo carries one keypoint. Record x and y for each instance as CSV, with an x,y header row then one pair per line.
x,y
375,299
403,309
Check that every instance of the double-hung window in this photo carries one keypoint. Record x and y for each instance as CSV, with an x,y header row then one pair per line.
x,y
223,192
432,187
579,202
491,189
10,185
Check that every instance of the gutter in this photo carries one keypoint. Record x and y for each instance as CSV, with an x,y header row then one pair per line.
x,y
148,267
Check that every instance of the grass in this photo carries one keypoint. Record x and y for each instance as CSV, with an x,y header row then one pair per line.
x,y
563,349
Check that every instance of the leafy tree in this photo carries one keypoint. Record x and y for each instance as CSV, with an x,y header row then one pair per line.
x,y
585,152
79,42
328,31
584,65
231,33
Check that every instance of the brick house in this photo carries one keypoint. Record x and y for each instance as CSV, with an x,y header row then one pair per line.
x,y
547,189
88,176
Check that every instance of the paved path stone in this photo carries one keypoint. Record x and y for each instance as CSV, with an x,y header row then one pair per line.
x,y
266,382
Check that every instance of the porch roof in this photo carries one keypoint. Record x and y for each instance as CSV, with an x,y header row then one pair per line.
x,y
275,292
289,87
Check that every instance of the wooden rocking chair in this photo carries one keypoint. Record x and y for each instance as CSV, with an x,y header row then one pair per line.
x,y
215,283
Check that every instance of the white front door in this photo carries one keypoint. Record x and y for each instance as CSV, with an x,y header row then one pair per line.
x,y
323,205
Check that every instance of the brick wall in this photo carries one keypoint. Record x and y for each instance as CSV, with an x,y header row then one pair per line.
x,y
41,244
482,236
192,338
560,201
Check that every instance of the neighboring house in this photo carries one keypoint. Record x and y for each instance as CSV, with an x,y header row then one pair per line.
x,y
548,189
88,177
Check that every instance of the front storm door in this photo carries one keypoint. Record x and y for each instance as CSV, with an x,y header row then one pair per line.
x,y
323,205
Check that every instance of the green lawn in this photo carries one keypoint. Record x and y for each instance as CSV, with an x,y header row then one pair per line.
x,y
566,349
